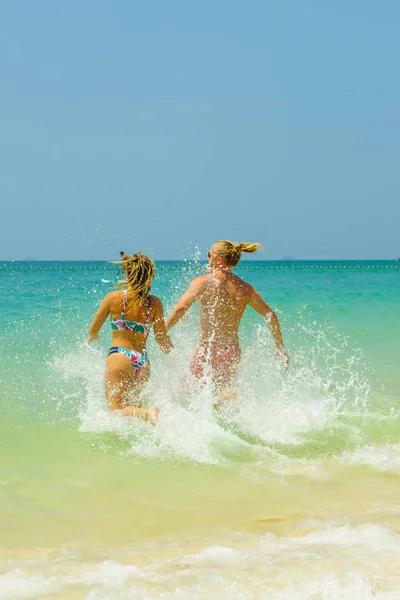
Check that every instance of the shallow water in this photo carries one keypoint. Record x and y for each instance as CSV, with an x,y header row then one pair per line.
x,y
291,495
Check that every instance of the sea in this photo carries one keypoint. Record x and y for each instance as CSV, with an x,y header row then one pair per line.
x,y
292,494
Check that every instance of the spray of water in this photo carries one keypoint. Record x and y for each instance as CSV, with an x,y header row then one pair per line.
x,y
295,415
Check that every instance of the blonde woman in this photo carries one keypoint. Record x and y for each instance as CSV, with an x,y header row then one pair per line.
x,y
223,297
133,311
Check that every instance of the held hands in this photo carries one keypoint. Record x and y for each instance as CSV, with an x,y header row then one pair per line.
x,y
167,345
283,356
164,342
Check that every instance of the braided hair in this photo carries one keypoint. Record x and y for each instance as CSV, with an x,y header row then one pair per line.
x,y
140,272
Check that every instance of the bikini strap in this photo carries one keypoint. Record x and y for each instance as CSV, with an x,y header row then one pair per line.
x,y
148,309
124,305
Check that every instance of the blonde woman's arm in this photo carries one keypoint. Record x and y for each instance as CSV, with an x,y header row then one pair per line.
x,y
160,329
99,319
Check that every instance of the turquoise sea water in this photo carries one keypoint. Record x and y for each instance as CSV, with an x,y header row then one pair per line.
x,y
292,495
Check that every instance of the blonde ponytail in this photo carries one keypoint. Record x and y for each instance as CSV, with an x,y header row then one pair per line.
x,y
232,252
245,247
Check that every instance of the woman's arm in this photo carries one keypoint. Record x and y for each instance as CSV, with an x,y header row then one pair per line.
x,y
160,330
99,319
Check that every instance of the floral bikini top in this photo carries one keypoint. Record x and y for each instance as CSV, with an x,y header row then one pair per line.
x,y
123,325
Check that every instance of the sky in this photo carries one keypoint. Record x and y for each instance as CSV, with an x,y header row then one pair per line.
x,y
163,126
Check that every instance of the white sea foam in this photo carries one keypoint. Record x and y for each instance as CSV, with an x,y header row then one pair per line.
x,y
331,562
382,458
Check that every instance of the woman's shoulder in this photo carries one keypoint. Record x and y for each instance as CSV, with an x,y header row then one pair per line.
x,y
155,301
114,296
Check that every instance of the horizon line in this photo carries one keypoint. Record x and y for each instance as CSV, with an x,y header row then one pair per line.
x,y
183,260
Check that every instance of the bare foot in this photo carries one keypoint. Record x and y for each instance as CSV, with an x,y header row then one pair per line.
x,y
152,414
229,395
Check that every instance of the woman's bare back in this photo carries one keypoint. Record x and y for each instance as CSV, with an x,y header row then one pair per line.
x,y
134,312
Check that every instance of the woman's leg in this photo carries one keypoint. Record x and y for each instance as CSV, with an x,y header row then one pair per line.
x,y
120,380
138,382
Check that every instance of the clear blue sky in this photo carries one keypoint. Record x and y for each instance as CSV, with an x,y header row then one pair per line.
x,y
169,124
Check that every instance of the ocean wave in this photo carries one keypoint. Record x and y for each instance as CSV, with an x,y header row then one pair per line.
x,y
319,560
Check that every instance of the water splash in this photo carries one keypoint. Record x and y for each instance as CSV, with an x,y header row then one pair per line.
x,y
278,413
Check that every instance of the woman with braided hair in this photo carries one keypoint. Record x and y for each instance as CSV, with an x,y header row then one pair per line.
x,y
133,311
223,298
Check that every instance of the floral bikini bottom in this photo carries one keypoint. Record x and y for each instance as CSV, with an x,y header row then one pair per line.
x,y
138,359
